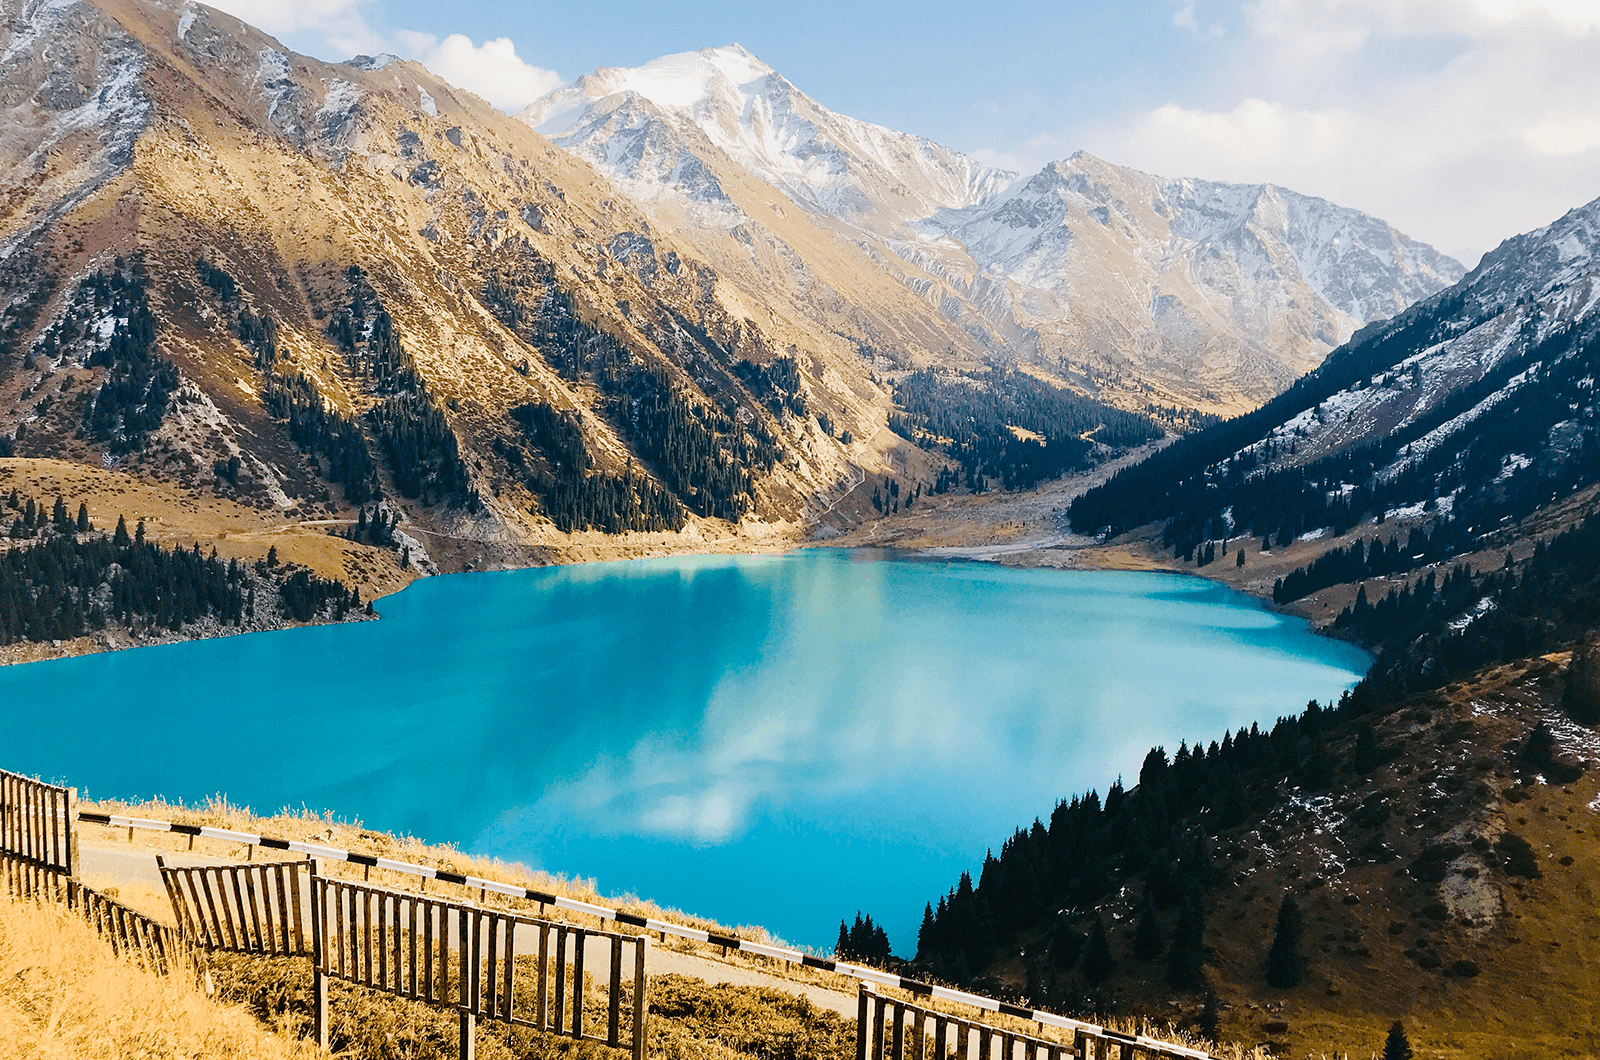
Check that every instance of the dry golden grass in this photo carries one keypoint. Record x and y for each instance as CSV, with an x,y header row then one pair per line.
x,y
64,993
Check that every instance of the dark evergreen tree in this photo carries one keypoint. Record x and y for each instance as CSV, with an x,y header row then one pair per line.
x,y
1285,962
1581,697
1147,944
120,538
1186,958
83,525
924,933
1365,757
1395,1046
1097,961
1210,1025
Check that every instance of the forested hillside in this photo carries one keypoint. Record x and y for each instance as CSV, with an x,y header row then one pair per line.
x,y
1383,823
1007,426
62,578
1477,404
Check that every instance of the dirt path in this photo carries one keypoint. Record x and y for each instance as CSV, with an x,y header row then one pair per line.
x,y
136,880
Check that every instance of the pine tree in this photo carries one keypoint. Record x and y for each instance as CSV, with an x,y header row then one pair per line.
x,y
138,534
58,515
121,539
1365,757
1187,956
1582,696
1098,962
925,932
1285,963
83,518
1396,1047
1147,944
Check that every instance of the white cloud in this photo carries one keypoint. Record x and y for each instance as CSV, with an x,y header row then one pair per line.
x,y
492,69
1460,121
1562,135
340,24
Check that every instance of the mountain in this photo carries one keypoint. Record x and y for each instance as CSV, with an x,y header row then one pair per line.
x,y
1471,409
832,164
1415,850
295,295
1182,293
1188,283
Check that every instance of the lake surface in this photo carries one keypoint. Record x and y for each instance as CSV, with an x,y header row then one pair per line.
x,y
779,740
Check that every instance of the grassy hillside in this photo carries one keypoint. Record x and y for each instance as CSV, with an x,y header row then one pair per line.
x,y
64,993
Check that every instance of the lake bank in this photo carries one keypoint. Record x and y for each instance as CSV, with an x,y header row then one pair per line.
x,y
775,739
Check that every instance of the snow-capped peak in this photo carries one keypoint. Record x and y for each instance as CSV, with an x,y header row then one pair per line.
x,y
834,164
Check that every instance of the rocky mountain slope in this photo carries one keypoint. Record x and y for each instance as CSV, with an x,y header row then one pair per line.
x,y
317,289
1471,409
1174,292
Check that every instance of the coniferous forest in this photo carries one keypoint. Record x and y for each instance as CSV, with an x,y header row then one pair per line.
x,y
411,430
140,381
74,580
1218,483
576,496
702,453
315,428
973,419
1159,834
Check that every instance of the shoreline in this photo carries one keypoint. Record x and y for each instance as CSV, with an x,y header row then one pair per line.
x,y
1021,528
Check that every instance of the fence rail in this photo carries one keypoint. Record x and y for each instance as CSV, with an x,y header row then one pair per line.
x,y
241,908
479,962
786,954
155,945
890,1029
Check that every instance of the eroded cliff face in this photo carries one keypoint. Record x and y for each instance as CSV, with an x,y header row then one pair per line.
x,y
214,250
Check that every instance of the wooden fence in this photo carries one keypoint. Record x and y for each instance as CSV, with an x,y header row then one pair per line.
x,y
889,1029
254,908
481,963
36,823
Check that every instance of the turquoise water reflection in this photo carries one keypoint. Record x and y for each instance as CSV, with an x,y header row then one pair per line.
x,y
774,739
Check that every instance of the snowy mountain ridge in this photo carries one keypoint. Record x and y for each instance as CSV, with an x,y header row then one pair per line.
x,y
1123,284
1532,304
825,160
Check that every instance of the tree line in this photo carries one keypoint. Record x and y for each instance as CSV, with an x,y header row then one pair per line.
x,y
328,433
76,581
1532,439
410,428
140,381
972,418
1375,558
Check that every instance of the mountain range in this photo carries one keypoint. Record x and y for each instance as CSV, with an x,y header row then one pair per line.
x,y
1129,286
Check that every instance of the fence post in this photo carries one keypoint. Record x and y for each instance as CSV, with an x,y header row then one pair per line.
x,y
641,1009
72,833
319,934
469,1037
862,1010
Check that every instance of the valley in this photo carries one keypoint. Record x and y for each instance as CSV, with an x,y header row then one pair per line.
x,y
771,513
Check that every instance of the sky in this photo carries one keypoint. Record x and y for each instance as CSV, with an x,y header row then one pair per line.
x,y
1462,122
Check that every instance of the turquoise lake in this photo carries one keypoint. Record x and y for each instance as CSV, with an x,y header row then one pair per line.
x,y
779,740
